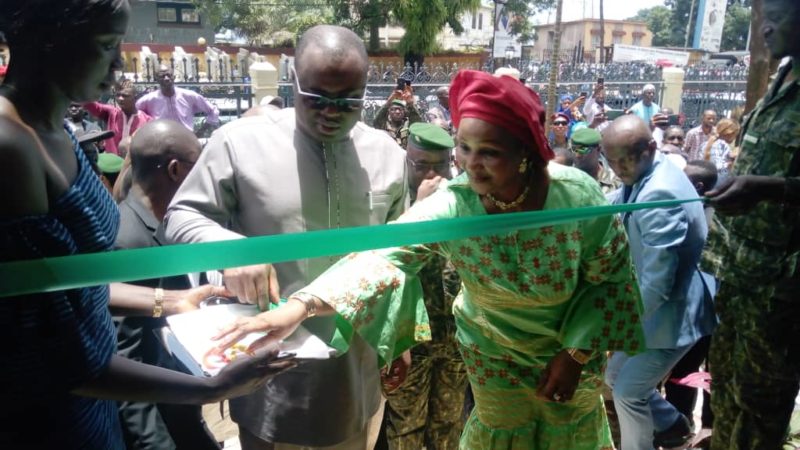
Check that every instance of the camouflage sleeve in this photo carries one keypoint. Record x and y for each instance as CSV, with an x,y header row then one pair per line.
x,y
451,283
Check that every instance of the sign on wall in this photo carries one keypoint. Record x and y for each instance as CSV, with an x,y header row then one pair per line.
x,y
708,34
630,53
502,34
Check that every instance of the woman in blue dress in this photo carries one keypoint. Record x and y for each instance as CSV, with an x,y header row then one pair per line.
x,y
60,374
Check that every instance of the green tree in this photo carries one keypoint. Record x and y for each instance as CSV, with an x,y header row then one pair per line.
x,y
659,22
520,11
668,23
260,22
683,14
737,27
423,20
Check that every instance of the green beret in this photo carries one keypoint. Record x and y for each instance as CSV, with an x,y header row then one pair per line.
x,y
398,102
427,136
588,137
109,163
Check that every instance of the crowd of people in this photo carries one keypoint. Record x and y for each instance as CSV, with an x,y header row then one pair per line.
x,y
574,336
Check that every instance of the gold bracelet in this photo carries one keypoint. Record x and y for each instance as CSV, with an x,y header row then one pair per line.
x,y
579,356
307,301
158,302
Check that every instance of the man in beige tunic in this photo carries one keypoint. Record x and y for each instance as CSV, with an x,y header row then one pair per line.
x,y
311,167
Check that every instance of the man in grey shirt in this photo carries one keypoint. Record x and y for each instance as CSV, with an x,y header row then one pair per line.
x,y
299,169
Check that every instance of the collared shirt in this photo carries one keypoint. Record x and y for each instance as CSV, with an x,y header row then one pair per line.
x,y
116,121
181,107
695,142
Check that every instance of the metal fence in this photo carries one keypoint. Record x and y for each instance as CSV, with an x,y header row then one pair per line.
x,y
530,71
706,87
624,82
187,70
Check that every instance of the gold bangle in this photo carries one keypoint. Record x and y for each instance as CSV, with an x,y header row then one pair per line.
x,y
158,302
579,356
308,302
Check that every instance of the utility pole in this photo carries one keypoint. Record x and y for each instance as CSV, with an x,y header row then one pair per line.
x,y
554,60
494,30
689,25
602,35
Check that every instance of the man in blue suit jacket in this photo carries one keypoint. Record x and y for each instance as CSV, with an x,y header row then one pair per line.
x,y
665,247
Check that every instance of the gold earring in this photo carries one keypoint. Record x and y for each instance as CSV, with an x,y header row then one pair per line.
x,y
523,166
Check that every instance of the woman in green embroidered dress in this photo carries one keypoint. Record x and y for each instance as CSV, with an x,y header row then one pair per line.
x,y
538,309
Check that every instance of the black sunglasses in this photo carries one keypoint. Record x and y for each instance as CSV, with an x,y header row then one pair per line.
x,y
316,101
583,149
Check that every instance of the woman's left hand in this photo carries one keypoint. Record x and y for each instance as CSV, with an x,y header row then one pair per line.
x,y
559,380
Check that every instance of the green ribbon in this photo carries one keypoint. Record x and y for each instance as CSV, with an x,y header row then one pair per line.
x,y
90,269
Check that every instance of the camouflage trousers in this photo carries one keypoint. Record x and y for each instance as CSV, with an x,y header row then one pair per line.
x,y
755,365
425,411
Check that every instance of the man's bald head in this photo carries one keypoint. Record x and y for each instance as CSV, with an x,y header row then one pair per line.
x,y
337,44
330,62
629,148
158,143
162,154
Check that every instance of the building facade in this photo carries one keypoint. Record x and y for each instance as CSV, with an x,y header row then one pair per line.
x,y
174,22
580,39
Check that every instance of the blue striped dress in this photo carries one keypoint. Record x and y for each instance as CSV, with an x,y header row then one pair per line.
x,y
55,342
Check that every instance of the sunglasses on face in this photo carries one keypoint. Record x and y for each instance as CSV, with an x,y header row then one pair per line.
x,y
583,149
559,123
320,102
425,167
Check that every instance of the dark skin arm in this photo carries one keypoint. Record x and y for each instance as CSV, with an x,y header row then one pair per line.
x,y
130,300
560,377
125,379
122,379
739,195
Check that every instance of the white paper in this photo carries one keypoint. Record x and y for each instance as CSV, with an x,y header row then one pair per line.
x,y
194,330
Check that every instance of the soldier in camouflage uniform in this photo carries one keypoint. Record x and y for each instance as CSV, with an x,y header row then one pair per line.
x,y
396,116
755,358
426,409
585,143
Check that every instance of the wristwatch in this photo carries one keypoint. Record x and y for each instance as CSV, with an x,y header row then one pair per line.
x,y
581,357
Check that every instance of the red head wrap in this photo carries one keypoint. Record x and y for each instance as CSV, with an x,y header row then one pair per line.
x,y
501,101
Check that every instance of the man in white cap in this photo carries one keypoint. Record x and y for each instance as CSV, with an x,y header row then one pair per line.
x,y
646,108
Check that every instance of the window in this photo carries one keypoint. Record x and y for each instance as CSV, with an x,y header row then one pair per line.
x,y
480,21
637,40
189,16
167,14
474,22
177,13
616,40
595,40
